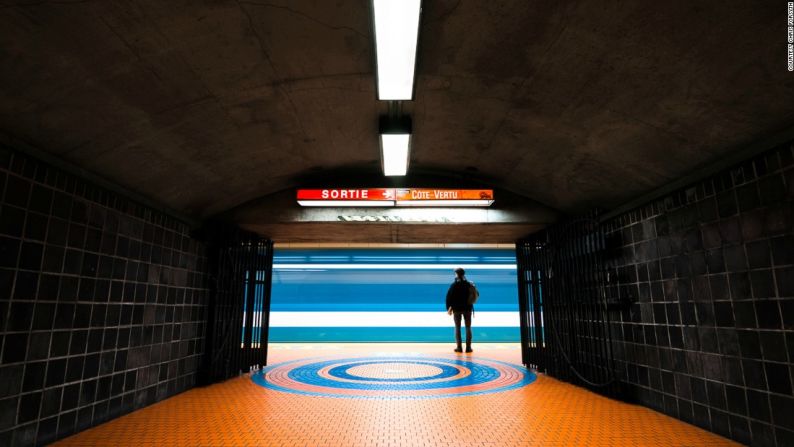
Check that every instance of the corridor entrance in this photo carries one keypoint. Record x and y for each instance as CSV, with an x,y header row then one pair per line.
x,y
389,293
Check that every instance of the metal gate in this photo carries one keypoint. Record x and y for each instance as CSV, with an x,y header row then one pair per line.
x,y
530,303
241,273
565,324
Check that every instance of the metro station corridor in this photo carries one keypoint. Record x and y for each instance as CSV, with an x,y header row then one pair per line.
x,y
250,222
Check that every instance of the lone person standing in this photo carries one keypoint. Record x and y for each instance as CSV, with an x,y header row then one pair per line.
x,y
458,305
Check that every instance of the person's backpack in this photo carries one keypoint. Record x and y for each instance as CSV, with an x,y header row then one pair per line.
x,y
473,293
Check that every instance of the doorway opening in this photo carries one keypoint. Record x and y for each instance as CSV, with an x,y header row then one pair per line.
x,y
389,294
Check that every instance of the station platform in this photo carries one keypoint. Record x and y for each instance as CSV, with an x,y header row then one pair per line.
x,y
393,395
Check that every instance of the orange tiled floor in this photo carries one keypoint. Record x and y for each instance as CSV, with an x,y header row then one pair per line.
x,y
544,413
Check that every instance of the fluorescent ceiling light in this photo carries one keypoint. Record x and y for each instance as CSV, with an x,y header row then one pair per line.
x,y
395,149
333,203
444,202
396,32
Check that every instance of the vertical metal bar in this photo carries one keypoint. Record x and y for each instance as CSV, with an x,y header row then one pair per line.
x,y
542,272
220,358
526,276
260,276
527,311
552,321
212,309
587,300
537,304
584,300
598,292
263,256
221,287
265,252
237,305
565,289
529,276
534,286
249,298
521,268
571,285
576,302
249,306
224,365
255,337
261,304
528,280
267,291
592,302
575,299
594,295
249,316
250,295
540,308
257,341
535,281
557,303
262,268
232,302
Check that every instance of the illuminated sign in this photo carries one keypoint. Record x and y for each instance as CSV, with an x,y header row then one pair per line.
x,y
346,197
387,197
444,197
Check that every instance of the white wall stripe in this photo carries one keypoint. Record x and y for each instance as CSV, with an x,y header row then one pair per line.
x,y
387,319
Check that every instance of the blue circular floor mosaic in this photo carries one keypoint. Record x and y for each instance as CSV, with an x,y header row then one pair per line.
x,y
393,377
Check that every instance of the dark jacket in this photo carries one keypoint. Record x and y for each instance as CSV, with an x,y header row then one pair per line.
x,y
458,296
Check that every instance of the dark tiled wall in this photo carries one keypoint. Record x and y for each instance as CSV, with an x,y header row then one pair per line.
x,y
710,338
102,303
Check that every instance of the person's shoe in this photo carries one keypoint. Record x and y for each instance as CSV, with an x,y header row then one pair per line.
x,y
458,350
469,351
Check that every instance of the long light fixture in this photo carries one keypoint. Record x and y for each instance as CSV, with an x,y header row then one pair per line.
x,y
395,144
395,149
396,34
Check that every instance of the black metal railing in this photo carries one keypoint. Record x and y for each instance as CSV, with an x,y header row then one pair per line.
x,y
531,304
565,324
241,271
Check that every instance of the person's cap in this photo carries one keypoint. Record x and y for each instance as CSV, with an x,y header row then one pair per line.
x,y
460,271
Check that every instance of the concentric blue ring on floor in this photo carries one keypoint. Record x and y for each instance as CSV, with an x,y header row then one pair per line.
x,y
341,372
425,377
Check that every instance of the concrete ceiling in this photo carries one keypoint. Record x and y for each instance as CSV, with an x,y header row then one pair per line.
x,y
206,105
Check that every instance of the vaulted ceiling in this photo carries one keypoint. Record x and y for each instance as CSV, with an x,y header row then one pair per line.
x,y
206,105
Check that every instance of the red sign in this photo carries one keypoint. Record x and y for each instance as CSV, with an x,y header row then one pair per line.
x,y
346,194
384,197
443,194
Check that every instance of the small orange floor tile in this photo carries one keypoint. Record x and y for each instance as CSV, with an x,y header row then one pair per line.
x,y
545,412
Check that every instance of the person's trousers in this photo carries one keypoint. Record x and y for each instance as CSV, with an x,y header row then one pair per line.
x,y
467,317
